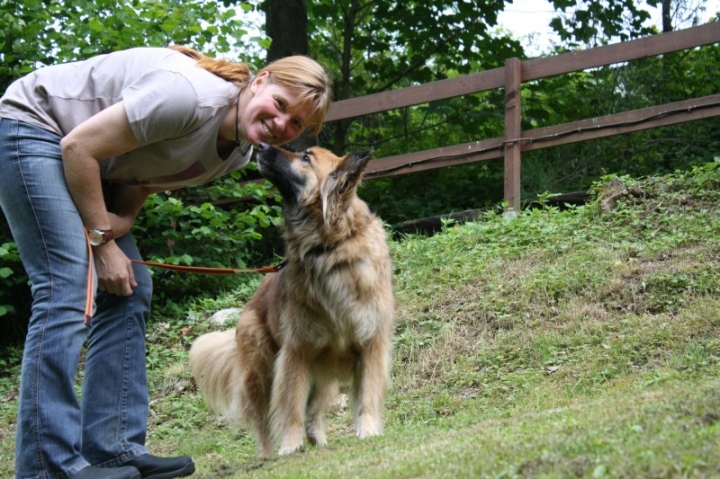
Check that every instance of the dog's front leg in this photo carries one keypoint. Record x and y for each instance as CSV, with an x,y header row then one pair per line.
x,y
291,387
322,395
370,384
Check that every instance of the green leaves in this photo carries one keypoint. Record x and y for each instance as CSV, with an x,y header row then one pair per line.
x,y
596,22
13,284
36,33
200,227
401,43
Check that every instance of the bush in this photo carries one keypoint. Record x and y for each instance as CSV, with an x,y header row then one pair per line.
x,y
223,224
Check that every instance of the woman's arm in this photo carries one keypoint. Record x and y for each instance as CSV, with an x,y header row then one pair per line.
x,y
105,135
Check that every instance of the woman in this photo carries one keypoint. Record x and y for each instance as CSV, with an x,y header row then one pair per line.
x,y
82,145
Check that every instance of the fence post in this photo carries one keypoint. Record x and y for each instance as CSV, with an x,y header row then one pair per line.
x,y
513,81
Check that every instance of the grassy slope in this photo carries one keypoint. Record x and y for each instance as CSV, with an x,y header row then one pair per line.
x,y
554,344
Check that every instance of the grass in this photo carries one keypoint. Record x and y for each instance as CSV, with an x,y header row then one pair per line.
x,y
572,343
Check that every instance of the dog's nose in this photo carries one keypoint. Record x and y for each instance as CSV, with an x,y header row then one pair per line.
x,y
263,146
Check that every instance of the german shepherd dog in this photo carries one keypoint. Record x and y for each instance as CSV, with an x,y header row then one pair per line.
x,y
325,318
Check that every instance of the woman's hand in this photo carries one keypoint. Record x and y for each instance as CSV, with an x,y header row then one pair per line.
x,y
114,269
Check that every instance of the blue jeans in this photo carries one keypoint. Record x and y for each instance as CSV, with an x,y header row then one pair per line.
x,y
57,434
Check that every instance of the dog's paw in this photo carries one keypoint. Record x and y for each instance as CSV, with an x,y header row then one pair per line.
x,y
315,431
265,450
291,441
365,434
317,438
368,426
286,449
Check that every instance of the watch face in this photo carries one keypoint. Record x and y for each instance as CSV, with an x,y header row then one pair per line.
x,y
96,237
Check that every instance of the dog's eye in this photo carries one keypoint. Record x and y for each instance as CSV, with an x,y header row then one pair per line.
x,y
305,157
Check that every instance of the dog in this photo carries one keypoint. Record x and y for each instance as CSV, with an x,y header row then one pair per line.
x,y
326,318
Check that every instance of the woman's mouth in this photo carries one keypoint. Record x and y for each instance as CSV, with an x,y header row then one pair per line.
x,y
267,130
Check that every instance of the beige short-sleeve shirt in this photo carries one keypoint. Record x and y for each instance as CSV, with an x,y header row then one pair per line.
x,y
175,109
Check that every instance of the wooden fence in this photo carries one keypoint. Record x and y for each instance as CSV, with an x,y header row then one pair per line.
x,y
510,77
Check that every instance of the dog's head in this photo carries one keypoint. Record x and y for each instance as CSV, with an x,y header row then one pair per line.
x,y
314,175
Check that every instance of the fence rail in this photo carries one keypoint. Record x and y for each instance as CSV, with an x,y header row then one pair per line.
x,y
510,77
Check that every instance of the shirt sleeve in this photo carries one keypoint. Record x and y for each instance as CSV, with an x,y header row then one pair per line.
x,y
161,105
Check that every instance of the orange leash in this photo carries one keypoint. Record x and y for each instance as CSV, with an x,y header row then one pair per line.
x,y
90,294
208,270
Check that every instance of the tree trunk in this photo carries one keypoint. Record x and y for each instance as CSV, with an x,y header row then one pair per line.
x,y
341,127
286,24
667,16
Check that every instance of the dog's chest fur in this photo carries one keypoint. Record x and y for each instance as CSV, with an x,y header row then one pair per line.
x,y
339,296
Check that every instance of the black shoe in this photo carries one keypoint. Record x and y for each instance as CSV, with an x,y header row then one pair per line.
x,y
152,467
124,472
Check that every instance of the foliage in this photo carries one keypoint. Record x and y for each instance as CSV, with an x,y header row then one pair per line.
x,y
410,42
615,89
422,194
573,342
191,227
597,22
9,255
377,46
14,292
36,33
14,288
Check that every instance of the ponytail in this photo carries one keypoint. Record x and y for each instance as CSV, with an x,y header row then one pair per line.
x,y
237,73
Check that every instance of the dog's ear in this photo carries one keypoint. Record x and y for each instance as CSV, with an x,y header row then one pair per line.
x,y
339,187
349,172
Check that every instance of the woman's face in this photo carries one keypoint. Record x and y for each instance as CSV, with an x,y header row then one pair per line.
x,y
265,118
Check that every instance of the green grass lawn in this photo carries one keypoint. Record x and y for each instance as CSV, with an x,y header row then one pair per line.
x,y
573,343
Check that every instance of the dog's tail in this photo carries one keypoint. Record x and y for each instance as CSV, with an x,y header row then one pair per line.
x,y
216,370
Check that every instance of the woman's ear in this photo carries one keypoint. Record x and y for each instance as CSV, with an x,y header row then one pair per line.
x,y
258,81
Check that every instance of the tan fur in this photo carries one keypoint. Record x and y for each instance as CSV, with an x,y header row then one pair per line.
x,y
326,317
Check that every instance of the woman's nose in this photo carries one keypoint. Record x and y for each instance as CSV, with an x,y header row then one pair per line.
x,y
281,121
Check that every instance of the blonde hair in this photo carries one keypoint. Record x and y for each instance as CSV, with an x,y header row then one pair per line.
x,y
299,74
308,80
